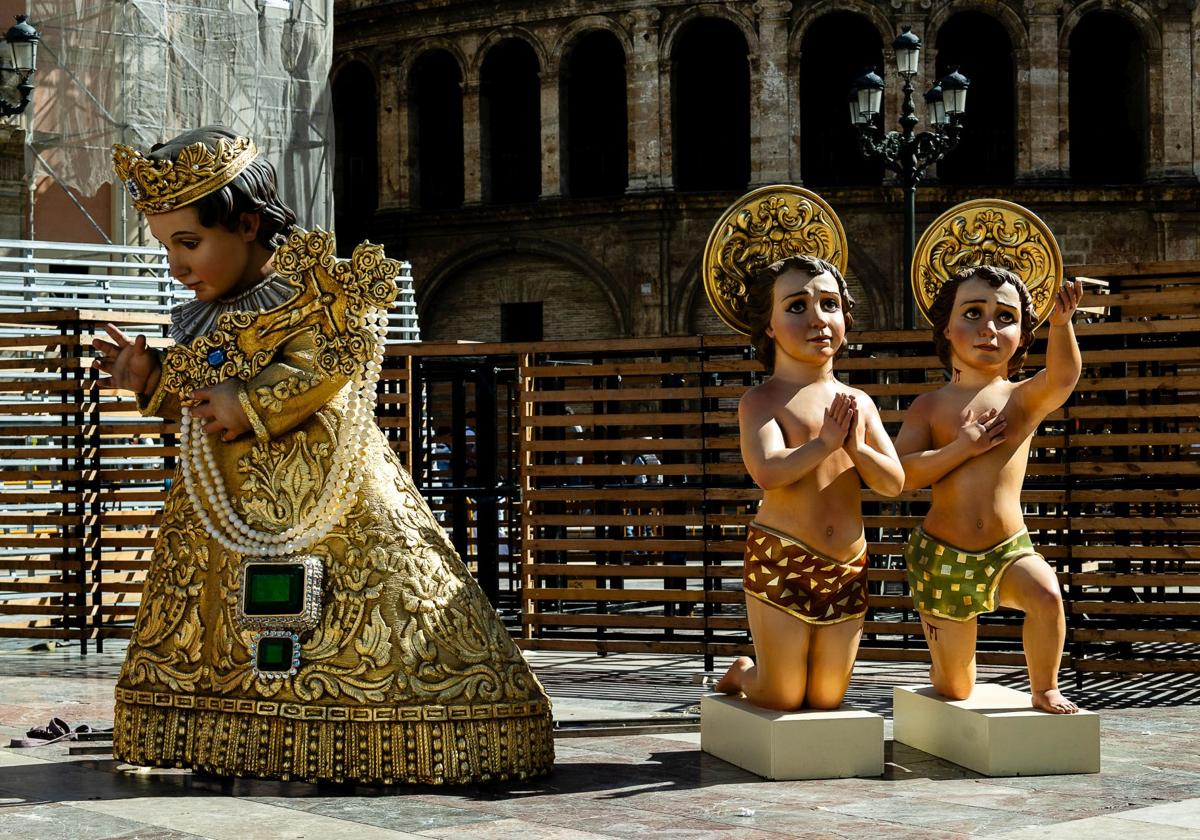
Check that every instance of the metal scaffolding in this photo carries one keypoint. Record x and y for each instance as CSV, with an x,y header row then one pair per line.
x,y
142,71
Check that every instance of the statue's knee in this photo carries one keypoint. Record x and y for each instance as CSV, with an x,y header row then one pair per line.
x,y
1045,600
780,700
824,700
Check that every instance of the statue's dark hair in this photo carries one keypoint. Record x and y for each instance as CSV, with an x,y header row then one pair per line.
x,y
760,302
943,306
252,191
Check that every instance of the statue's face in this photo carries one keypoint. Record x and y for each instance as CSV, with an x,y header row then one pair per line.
x,y
984,329
211,261
808,323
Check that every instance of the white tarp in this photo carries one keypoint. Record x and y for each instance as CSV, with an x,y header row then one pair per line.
x,y
141,71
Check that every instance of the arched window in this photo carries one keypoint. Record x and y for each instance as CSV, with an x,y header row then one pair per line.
x,y
436,130
979,46
510,113
1108,115
835,49
710,107
595,130
356,162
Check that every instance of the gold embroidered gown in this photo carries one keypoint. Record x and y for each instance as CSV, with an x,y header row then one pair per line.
x,y
408,674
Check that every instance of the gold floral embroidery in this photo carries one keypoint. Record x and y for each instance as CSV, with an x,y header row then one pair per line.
x,y
274,397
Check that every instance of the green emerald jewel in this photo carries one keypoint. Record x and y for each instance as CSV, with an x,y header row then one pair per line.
x,y
274,589
275,653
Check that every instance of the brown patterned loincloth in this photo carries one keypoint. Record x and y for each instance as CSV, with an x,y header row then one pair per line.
x,y
785,573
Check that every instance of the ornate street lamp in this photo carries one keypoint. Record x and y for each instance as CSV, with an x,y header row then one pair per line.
x,y
906,152
23,42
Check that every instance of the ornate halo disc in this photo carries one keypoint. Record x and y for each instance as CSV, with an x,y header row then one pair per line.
x,y
988,231
760,228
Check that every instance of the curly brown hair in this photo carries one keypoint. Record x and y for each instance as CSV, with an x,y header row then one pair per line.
x,y
943,305
760,302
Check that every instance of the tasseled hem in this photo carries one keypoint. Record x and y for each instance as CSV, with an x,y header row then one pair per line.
x,y
372,745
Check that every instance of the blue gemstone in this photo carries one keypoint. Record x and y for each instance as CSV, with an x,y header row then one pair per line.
x,y
216,358
133,189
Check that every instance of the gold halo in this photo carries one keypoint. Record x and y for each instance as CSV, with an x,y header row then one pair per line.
x,y
988,231
762,227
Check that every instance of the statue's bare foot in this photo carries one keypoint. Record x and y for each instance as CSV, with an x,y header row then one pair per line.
x,y
731,683
1051,700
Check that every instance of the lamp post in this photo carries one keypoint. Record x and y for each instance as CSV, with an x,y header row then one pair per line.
x,y
23,41
909,153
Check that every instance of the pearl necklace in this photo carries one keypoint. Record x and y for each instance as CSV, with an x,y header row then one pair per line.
x,y
338,494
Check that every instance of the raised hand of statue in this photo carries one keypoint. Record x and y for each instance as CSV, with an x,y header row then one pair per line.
x,y
221,407
1066,302
837,421
130,365
979,434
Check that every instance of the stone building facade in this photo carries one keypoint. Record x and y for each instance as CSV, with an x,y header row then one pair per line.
x,y
553,168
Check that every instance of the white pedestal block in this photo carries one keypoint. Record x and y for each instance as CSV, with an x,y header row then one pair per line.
x,y
808,744
996,732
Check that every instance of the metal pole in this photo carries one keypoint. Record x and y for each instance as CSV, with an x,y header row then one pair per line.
x,y
910,244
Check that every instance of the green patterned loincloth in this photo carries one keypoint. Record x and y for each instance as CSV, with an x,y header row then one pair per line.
x,y
955,584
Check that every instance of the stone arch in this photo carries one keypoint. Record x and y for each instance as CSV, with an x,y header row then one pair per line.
x,y
1005,15
436,160
352,57
710,63
1141,19
1101,82
355,95
481,251
593,114
815,12
579,27
709,10
835,48
978,42
504,33
431,44
510,119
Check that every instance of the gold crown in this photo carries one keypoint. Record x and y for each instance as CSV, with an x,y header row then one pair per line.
x,y
157,186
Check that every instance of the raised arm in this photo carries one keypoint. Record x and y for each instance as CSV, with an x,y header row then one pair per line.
x,y
871,450
769,460
925,465
1050,387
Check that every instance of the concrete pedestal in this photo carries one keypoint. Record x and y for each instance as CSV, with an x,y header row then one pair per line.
x,y
808,744
996,732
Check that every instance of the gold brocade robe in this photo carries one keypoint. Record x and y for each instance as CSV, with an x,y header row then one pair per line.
x,y
409,676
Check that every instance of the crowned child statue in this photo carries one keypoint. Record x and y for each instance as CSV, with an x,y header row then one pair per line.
x,y
304,616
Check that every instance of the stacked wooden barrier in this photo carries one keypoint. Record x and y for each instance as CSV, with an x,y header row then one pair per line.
x,y
623,499
83,478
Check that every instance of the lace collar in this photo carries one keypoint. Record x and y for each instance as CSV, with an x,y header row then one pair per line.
x,y
195,318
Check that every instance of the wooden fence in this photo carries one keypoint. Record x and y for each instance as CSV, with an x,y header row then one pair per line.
x,y
596,487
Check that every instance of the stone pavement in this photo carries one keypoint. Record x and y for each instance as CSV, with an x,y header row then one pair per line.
x,y
628,786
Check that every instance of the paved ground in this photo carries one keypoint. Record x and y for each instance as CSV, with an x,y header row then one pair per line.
x,y
629,786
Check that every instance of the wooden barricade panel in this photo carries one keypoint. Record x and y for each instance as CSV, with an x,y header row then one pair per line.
x,y
596,487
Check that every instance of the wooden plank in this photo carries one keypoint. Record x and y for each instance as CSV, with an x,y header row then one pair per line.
x,y
649,596
629,544
625,394
620,621
1163,579
1157,608
1138,666
1084,634
605,646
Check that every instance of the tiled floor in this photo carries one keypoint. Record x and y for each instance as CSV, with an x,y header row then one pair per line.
x,y
630,786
